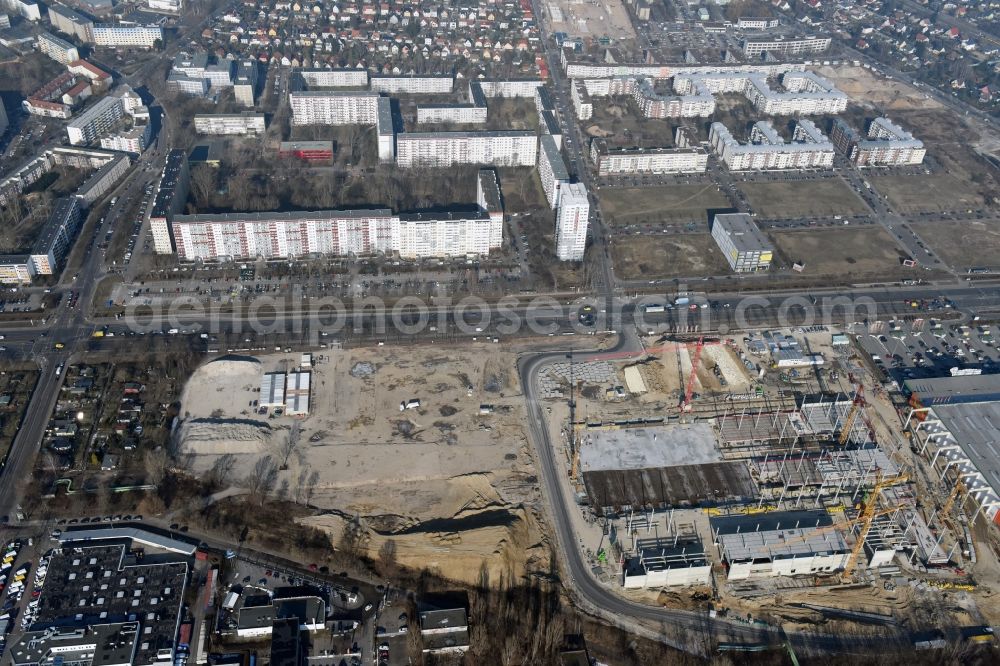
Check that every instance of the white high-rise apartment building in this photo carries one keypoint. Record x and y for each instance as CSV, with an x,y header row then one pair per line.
x,y
755,47
428,85
229,123
767,150
572,220
95,121
551,169
444,149
58,49
333,78
117,34
319,107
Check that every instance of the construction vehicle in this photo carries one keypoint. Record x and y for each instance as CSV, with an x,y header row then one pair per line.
x,y
959,488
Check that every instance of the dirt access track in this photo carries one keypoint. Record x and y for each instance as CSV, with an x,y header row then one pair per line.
x,y
449,485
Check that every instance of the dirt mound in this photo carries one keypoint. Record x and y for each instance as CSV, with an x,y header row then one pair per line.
x,y
210,436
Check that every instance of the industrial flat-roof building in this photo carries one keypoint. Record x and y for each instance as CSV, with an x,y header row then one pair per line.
x,y
272,390
743,244
297,393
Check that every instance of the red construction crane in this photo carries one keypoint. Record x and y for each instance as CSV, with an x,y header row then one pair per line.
x,y
695,361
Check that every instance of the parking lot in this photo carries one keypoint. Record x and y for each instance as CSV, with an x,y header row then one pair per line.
x,y
930,348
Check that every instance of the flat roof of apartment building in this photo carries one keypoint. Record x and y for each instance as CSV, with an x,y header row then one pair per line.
x,y
554,157
268,216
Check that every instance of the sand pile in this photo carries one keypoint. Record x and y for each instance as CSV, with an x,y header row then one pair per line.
x,y
208,436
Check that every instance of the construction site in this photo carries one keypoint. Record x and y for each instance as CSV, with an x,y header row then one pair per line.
x,y
771,475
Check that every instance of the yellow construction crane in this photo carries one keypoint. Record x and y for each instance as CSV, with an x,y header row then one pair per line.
x,y
959,488
856,405
868,514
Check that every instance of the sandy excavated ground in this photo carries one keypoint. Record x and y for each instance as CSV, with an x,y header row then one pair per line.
x,y
869,89
360,457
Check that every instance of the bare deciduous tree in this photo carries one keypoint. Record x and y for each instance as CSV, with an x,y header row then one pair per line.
x,y
262,478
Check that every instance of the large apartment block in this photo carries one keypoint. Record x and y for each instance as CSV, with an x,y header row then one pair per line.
x,y
767,150
887,144
229,123
572,220
756,47
319,107
171,196
612,162
95,121
98,184
70,22
551,170
428,85
58,49
333,78
290,235
56,236
123,34
743,244
445,149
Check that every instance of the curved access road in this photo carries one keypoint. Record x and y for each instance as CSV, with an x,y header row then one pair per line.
x,y
691,631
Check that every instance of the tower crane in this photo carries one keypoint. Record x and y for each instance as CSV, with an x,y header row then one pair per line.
x,y
868,514
852,415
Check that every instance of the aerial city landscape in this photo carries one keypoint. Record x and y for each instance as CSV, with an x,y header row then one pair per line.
x,y
508,332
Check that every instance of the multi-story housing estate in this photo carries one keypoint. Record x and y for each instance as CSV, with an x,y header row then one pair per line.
x,y
128,35
245,82
887,144
767,150
805,93
333,78
746,249
105,178
171,196
756,47
321,107
230,123
444,149
427,85
58,49
289,235
95,121
385,129
464,114
551,170
572,220
611,161
134,140
56,236
70,22
194,75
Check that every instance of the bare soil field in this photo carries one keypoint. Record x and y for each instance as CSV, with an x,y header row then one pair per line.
x,y
872,90
965,177
830,196
446,484
593,19
935,192
963,243
680,203
657,257
858,251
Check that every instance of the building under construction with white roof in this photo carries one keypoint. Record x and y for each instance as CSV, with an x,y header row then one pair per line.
x,y
780,544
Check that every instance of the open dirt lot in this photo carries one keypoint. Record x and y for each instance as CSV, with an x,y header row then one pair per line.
x,y
590,19
621,124
446,484
963,243
872,90
858,251
935,192
680,203
677,255
830,196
